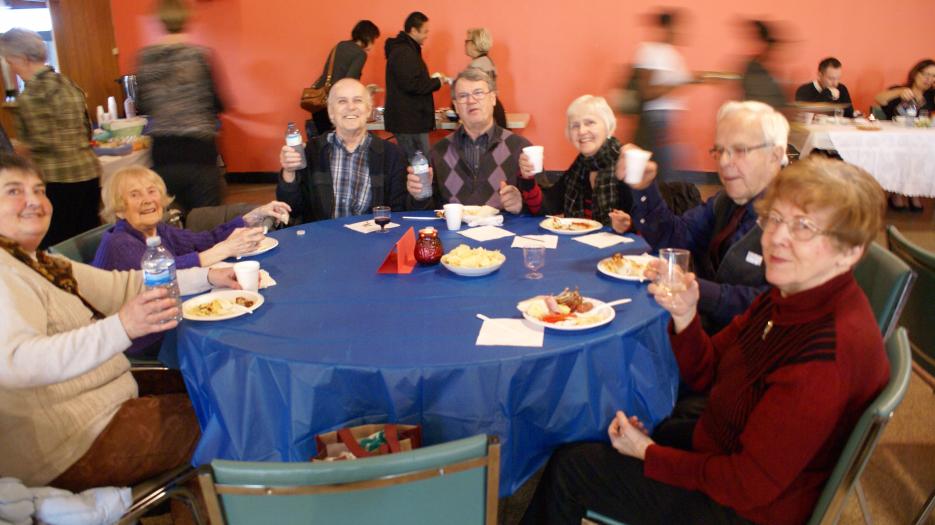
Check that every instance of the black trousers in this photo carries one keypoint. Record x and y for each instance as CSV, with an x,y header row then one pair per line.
x,y
75,207
593,476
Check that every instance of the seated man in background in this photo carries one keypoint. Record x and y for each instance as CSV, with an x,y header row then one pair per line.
x,y
827,87
750,146
349,170
479,163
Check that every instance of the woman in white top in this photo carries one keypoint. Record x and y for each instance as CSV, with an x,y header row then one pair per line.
x,y
70,415
477,45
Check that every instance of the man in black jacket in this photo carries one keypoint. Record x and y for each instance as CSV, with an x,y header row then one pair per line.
x,y
827,87
410,109
349,171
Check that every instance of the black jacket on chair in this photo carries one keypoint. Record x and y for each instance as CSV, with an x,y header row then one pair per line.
x,y
311,195
410,107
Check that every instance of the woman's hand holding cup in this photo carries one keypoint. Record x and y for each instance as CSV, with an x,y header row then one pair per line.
x,y
679,296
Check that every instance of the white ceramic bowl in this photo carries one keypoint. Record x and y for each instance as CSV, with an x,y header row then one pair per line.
x,y
473,272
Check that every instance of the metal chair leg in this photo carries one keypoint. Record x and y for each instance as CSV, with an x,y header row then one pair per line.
x,y
925,510
864,507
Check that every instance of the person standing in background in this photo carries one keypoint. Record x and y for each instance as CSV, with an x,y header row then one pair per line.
x,y
177,91
349,59
410,109
758,83
477,45
660,69
52,122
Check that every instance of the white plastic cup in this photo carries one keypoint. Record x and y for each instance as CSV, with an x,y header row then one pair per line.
x,y
535,154
453,214
248,275
636,160
807,117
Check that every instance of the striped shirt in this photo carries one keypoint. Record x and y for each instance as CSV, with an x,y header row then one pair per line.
x,y
350,177
52,120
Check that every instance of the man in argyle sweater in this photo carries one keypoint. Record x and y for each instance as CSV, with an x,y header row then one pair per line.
x,y
479,163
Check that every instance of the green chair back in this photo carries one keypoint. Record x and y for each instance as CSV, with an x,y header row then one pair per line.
x,y
886,281
866,433
919,314
451,483
83,246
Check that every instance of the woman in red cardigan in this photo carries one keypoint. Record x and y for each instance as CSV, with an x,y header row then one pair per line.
x,y
786,381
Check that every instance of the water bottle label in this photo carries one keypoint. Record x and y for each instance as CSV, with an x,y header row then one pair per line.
x,y
156,279
294,140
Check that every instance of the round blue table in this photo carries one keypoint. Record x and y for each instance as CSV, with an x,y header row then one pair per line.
x,y
336,344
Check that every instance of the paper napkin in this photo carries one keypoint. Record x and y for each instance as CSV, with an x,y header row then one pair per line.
x,y
495,220
510,332
368,226
602,239
526,241
486,233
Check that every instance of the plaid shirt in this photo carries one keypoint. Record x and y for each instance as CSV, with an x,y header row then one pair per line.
x,y
52,120
471,150
350,177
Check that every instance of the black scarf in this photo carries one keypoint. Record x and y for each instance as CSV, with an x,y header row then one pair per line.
x,y
604,199
55,270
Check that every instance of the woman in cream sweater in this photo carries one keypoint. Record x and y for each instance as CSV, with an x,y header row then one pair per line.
x,y
70,415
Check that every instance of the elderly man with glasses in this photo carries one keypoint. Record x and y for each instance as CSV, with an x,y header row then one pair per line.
x,y
479,163
722,234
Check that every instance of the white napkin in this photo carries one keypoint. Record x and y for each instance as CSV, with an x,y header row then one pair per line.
x,y
486,233
368,226
526,241
92,507
509,332
603,239
495,220
266,280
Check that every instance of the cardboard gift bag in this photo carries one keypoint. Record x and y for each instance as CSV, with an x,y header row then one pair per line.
x,y
367,440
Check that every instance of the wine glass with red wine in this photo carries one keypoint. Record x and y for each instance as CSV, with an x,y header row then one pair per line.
x,y
381,216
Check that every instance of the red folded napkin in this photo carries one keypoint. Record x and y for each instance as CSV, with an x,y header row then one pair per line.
x,y
401,258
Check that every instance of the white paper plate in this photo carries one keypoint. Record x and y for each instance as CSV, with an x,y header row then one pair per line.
x,y
473,272
604,268
547,224
608,315
227,295
267,244
478,212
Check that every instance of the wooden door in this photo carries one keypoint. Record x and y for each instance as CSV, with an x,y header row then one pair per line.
x,y
87,51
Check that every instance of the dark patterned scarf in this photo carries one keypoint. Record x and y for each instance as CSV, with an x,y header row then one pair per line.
x,y
604,199
55,270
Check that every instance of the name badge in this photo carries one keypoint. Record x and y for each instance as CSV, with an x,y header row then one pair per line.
x,y
754,258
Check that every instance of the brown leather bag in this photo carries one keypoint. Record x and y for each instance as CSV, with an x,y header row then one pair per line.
x,y
316,98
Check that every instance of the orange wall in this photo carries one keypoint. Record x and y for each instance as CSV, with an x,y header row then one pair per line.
x,y
548,52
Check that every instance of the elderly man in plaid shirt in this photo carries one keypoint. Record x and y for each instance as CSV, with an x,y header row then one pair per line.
x,y
52,122
349,170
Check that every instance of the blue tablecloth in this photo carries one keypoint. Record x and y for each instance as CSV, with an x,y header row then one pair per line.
x,y
337,344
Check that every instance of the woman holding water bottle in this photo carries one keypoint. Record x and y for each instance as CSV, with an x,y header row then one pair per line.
x,y
70,415
786,381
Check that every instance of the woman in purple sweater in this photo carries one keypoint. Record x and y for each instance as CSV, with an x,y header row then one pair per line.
x,y
136,197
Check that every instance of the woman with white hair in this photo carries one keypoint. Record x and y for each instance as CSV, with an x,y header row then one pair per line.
x,y
52,122
590,186
477,45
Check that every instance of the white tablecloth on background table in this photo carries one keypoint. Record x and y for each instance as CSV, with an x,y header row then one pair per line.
x,y
111,164
902,159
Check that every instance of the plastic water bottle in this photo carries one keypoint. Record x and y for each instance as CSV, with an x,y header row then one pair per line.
x,y
294,141
159,270
420,167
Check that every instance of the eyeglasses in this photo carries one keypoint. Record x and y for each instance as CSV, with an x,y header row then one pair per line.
x,y
800,228
477,94
735,152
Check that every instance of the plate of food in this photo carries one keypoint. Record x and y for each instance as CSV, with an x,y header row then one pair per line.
x,y
472,262
626,267
565,226
471,212
267,244
221,305
567,311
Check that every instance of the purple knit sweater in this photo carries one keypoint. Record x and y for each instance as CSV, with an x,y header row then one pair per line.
x,y
122,247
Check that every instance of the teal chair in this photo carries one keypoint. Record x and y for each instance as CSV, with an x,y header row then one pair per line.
x,y
860,444
863,439
452,483
919,315
886,281
81,247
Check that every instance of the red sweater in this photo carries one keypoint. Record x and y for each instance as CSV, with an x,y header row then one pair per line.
x,y
782,401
